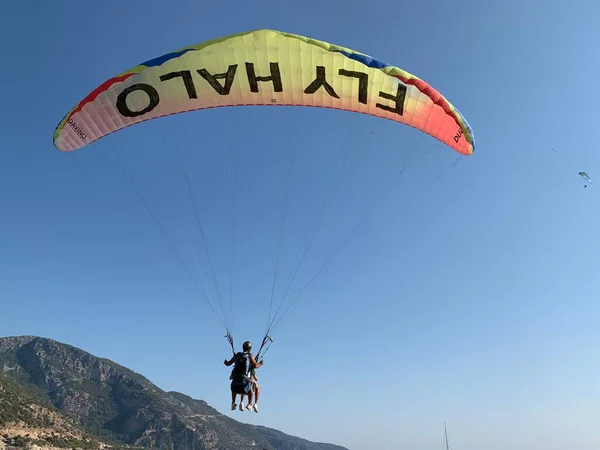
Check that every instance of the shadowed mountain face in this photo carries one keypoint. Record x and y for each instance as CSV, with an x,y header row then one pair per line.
x,y
120,406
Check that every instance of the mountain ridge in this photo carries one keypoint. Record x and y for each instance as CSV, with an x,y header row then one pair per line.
x,y
116,405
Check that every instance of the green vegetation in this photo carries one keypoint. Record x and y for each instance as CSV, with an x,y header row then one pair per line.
x,y
21,404
15,404
52,440
68,442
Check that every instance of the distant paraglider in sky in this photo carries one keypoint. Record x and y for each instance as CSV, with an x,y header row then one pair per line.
x,y
586,177
582,174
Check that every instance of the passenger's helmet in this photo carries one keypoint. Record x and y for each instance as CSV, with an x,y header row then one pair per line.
x,y
247,346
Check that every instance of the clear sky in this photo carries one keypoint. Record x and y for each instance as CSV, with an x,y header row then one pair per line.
x,y
472,299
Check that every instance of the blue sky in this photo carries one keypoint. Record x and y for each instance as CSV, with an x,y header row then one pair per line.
x,y
470,300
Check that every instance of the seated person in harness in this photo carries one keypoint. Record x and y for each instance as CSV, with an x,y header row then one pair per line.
x,y
255,389
241,377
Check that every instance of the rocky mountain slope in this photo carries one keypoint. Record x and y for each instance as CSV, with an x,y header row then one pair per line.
x,y
27,420
98,400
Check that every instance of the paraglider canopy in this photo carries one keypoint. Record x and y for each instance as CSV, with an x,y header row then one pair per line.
x,y
262,68
586,177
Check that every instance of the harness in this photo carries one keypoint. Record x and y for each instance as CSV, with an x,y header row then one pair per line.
x,y
241,370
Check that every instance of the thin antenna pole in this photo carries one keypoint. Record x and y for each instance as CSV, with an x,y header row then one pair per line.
x,y
446,437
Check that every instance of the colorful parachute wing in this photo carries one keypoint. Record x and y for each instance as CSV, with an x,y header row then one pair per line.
x,y
262,67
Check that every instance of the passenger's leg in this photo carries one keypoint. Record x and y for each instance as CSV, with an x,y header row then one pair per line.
x,y
257,393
